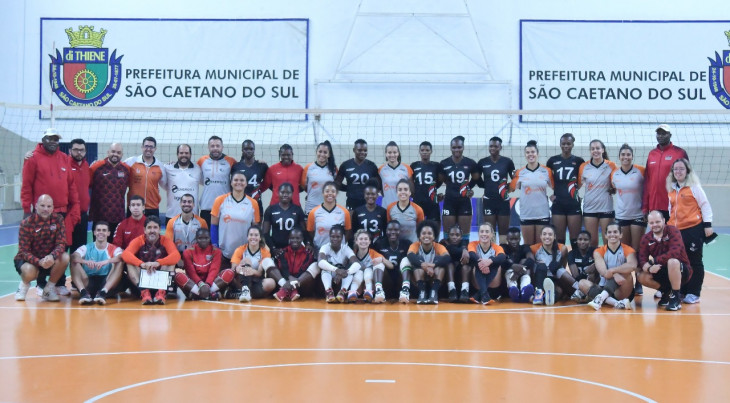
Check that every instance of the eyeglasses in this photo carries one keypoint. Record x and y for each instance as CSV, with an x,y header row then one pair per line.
x,y
149,146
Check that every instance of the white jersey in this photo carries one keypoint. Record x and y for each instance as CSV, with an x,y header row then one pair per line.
x,y
177,182
341,257
390,177
534,204
597,181
629,192
234,220
215,179
313,179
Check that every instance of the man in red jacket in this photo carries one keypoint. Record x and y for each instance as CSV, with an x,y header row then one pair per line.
x,y
48,171
658,164
663,262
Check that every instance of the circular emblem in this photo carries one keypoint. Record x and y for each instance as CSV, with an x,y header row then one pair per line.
x,y
85,81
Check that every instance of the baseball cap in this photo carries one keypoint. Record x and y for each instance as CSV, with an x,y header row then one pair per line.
x,y
664,127
50,132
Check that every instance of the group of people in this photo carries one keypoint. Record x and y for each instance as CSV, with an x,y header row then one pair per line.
x,y
234,248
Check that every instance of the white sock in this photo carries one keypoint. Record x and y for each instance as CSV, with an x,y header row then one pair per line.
x,y
378,286
195,290
214,287
326,279
525,281
452,286
465,286
611,301
575,285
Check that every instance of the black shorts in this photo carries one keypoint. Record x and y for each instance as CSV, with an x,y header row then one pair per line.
x,y
431,210
607,214
569,207
662,276
352,204
538,221
636,221
42,273
96,283
496,207
457,207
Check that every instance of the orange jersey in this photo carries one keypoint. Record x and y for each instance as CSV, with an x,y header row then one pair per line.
x,y
144,181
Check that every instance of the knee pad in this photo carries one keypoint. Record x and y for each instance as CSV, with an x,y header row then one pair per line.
x,y
594,291
181,279
226,275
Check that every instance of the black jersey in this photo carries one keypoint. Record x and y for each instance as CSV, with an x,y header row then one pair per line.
x,y
495,176
580,260
455,251
395,255
457,176
372,221
282,221
515,256
425,179
357,175
565,175
254,176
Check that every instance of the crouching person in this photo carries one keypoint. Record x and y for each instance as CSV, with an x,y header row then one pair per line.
x,y
203,278
295,269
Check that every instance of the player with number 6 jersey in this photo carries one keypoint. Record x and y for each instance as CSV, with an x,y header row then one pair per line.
x,y
495,172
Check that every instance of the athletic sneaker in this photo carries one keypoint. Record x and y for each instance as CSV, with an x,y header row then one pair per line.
x,y
294,294
577,296
85,298
405,295
527,293
39,290
100,297
691,299
434,300
146,297
62,290
50,294
329,296
675,303
464,296
368,296
539,297
160,297
597,302
379,296
352,297
486,300
281,295
658,294
453,295
514,293
22,291
422,297
342,295
623,304
232,293
549,288
214,296
664,299
245,294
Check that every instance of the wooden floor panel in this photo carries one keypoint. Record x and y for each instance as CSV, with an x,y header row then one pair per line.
x,y
310,351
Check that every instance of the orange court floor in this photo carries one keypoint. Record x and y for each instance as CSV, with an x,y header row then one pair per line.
x,y
201,351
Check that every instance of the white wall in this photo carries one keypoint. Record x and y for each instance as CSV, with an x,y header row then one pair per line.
x,y
496,24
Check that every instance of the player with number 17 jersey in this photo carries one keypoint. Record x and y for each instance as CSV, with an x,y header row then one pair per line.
x,y
565,175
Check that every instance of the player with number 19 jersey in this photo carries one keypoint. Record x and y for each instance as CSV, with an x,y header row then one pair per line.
x,y
457,177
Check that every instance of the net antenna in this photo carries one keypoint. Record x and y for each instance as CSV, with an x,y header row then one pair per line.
x,y
50,88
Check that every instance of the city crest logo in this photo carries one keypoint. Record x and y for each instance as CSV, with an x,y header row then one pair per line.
x,y
85,74
719,77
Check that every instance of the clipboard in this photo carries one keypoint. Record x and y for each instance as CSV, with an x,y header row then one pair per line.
x,y
159,280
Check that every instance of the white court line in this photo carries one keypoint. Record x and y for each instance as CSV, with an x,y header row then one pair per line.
x,y
420,364
367,350
380,381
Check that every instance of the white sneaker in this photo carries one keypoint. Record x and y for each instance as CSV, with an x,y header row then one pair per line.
x,y
50,294
577,296
39,291
658,294
596,303
623,304
405,295
549,288
691,299
62,291
245,295
22,291
379,296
